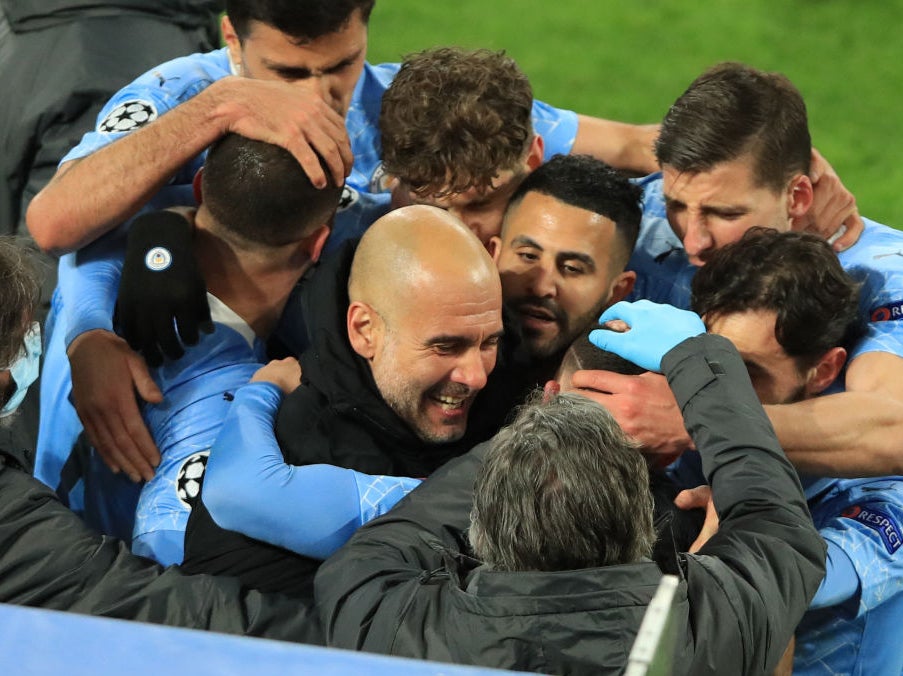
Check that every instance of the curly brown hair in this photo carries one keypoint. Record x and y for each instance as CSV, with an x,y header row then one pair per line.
x,y
452,119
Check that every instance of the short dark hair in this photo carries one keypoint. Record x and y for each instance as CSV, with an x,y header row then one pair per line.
x,y
20,291
583,355
562,488
303,20
259,192
732,110
794,274
452,119
587,183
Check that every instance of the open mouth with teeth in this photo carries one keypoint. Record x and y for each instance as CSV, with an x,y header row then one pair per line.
x,y
450,403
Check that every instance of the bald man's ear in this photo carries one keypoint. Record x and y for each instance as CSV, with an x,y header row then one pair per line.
x,y
825,371
363,329
621,286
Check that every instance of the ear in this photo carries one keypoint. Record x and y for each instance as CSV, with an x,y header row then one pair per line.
x,y
494,246
230,37
315,242
535,153
363,325
825,371
621,286
799,196
196,186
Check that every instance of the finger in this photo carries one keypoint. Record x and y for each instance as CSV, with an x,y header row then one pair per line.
x,y
202,312
105,443
601,381
610,340
144,384
187,326
165,332
131,442
100,443
620,310
854,226
692,498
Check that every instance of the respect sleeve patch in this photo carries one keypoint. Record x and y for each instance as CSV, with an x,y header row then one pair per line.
x,y
879,521
887,313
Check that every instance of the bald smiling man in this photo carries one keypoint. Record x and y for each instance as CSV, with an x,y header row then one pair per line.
x,y
404,333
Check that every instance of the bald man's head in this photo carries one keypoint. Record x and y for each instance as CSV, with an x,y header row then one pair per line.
x,y
425,312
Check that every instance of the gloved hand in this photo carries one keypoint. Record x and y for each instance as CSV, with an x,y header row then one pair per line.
x,y
162,303
654,330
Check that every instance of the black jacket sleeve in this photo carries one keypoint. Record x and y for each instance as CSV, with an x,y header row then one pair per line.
x,y
50,559
751,583
364,589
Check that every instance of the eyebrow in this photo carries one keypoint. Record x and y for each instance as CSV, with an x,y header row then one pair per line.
x,y
711,208
302,73
459,340
586,259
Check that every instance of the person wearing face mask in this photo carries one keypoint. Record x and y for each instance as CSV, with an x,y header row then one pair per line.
x,y
50,559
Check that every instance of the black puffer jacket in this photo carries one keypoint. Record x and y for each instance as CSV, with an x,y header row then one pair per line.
x,y
336,417
50,559
401,586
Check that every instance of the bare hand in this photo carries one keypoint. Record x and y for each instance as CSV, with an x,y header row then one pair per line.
x,y
106,373
293,116
645,408
833,213
285,373
701,496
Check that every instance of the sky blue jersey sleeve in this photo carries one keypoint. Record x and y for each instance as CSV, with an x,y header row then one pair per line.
x,y
88,283
312,509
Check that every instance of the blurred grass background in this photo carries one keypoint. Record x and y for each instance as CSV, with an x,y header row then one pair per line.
x,y
629,62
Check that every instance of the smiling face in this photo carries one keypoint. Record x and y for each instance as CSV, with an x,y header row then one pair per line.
x,y
430,360
709,209
329,66
560,266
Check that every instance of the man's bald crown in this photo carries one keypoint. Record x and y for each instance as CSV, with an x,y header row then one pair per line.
x,y
412,249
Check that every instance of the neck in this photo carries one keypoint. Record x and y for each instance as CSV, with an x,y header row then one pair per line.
x,y
254,282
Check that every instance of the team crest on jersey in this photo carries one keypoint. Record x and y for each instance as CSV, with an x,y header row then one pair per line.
x,y
887,313
188,480
128,116
381,181
158,259
349,197
879,521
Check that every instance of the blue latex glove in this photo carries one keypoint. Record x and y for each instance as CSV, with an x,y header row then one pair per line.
x,y
654,330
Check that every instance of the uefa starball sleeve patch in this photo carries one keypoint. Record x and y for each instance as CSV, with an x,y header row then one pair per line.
x,y
128,116
879,521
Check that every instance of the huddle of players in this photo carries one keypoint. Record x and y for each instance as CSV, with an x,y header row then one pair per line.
x,y
398,378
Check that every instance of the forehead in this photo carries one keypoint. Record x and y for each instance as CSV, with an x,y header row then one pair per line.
x,y
751,332
725,183
444,307
278,48
503,185
557,226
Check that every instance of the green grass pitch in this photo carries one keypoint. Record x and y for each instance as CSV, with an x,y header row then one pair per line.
x,y
630,60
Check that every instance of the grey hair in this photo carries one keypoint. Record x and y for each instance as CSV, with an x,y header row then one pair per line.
x,y
20,291
562,488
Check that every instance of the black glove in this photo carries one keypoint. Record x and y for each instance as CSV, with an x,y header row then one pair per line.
x,y
162,301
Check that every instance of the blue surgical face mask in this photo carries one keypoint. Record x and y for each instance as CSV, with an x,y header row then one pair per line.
x,y
24,369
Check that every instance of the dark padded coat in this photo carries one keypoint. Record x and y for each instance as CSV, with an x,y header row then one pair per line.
x,y
402,586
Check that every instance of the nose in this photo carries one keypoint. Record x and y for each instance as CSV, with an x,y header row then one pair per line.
x,y
471,370
543,281
697,239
